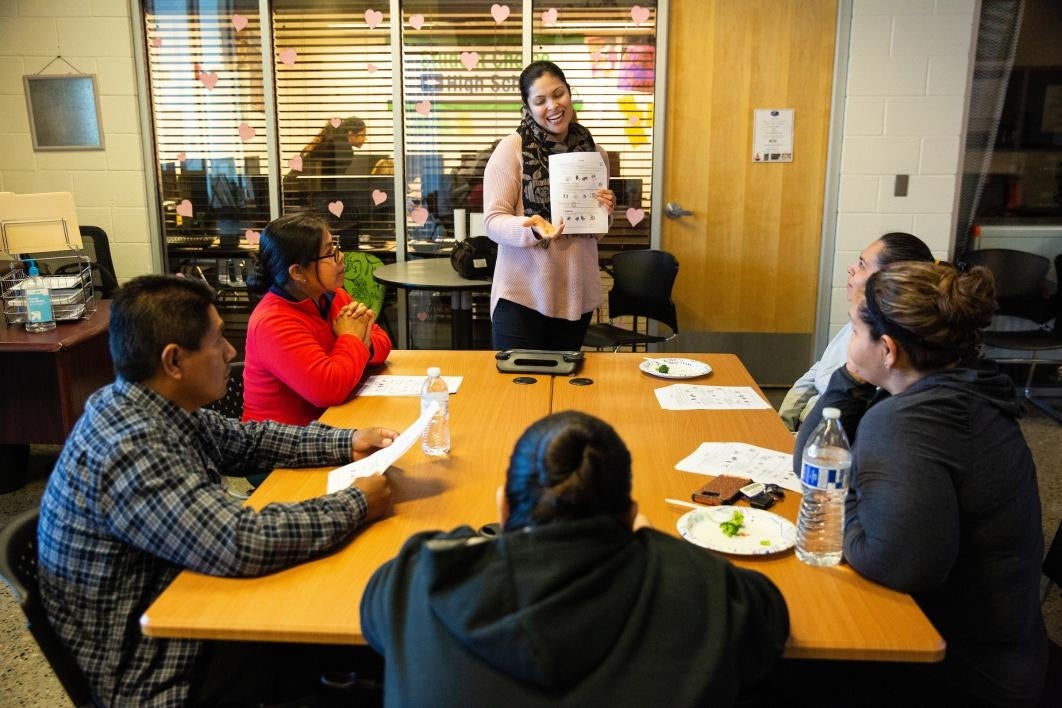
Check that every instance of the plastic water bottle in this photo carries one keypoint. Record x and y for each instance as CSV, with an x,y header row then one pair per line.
x,y
39,316
437,432
824,476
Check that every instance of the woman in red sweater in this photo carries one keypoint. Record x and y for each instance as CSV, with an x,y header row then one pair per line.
x,y
308,341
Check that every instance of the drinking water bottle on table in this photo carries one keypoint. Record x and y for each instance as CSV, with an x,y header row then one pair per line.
x,y
824,478
437,432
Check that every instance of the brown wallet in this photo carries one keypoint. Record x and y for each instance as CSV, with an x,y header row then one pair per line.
x,y
721,490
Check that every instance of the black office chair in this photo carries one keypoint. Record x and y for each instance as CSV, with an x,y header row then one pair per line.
x,y
1020,291
18,568
97,249
231,405
642,283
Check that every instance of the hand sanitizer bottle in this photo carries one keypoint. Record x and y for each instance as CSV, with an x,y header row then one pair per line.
x,y
39,317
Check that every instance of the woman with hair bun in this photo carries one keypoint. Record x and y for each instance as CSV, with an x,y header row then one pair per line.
x,y
574,602
308,341
944,502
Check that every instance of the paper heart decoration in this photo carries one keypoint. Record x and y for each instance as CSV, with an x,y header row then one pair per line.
x,y
246,132
424,107
416,21
252,236
181,157
419,216
470,59
156,42
635,216
208,79
295,163
239,21
422,316
639,14
499,12
378,197
336,208
288,56
549,17
373,18
185,209
596,55
633,120
371,68
335,122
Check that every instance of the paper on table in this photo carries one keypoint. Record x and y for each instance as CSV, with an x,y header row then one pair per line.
x,y
388,385
379,461
759,463
688,397
574,177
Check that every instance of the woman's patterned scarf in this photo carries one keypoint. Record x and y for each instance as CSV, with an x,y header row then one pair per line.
x,y
536,147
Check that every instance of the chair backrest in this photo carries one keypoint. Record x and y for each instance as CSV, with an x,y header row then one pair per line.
x,y
642,286
358,281
1020,280
18,568
98,249
231,405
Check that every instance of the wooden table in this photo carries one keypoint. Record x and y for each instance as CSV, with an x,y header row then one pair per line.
x,y
47,377
835,613
436,274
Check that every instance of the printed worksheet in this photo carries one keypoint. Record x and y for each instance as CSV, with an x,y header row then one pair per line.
x,y
387,385
743,460
689,397
379,461
574,177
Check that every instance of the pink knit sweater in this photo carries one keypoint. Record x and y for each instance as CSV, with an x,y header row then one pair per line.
x,y
559,281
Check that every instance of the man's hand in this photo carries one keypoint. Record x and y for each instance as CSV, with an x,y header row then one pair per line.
x,y
369,440
377,491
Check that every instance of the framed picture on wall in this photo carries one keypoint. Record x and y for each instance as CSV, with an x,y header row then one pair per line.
x,y
64,112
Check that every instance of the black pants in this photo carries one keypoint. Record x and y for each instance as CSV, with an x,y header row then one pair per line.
x,y
514,326
262,673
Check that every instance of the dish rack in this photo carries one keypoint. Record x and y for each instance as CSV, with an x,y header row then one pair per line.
x,y
68,274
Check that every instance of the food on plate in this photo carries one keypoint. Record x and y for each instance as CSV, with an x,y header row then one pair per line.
x,y
732,526
663,368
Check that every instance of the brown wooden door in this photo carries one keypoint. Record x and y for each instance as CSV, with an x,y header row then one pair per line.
x,y
749,253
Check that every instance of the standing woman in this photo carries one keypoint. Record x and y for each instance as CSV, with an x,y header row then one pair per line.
x,y
944,502
308,342
546,283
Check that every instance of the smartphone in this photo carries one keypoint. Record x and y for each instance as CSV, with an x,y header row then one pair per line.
x,y
722,490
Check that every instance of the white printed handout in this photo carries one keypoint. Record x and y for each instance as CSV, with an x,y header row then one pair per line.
x,y
379,461
388,385
574,178
689,397
743,460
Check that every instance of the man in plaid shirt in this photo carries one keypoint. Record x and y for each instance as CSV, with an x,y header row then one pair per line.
x,y
136,497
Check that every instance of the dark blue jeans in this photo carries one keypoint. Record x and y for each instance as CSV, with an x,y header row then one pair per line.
x,y
514,326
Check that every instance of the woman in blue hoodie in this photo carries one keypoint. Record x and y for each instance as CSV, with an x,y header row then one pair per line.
x,y
574,603
944,502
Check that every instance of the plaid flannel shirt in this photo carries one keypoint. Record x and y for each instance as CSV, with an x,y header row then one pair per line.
x,y
135,497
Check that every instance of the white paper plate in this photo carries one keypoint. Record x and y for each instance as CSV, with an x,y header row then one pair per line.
x,y
677,368
762,533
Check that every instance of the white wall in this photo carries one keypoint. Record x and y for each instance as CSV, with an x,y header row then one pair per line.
x,y
108,186
904,114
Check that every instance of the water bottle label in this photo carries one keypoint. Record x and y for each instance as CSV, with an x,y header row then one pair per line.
x,y
824,477
39,306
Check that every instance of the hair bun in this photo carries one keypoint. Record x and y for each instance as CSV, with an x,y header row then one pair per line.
x,y
968,299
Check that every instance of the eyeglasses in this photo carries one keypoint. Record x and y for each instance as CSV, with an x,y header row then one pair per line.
x,y
335,254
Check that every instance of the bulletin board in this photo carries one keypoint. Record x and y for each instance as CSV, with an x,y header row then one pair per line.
x,y
64,112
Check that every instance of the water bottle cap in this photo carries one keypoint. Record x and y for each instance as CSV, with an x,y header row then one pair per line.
x,y
831,413
433,371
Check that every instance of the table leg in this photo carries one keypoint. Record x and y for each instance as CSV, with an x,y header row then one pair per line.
x,y
461,311
14,460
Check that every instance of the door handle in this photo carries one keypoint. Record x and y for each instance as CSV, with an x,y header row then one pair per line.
x,y
675,211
